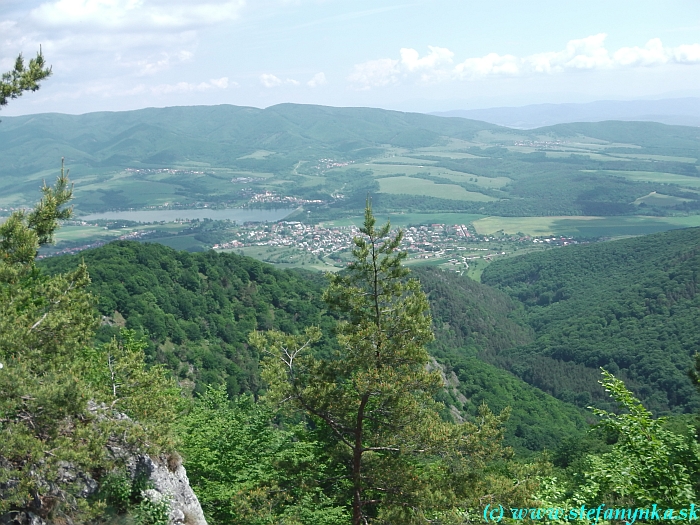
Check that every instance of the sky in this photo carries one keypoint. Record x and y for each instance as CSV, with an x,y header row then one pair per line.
x,y
425,55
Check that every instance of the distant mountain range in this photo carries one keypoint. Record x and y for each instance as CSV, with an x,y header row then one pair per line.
x,y
409,161
677,111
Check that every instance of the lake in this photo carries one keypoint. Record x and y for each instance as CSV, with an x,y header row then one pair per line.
x,y
239,215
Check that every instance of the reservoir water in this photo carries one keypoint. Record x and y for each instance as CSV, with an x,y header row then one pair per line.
x,y
239,215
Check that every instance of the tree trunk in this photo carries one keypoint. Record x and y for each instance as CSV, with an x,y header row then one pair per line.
x,y
357,514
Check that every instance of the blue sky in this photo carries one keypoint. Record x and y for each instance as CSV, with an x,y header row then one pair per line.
x,y
425,55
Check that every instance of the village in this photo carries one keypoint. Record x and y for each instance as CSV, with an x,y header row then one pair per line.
x,y
436,241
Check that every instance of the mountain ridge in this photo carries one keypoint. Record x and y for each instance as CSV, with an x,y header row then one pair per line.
x,y
673,111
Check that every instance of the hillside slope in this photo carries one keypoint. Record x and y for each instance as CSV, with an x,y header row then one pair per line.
x,y
215,135
631,306
198,310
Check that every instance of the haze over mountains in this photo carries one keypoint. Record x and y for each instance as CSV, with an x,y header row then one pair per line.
x,y
676,111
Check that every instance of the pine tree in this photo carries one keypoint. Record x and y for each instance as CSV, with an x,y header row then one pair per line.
x,y
403,463
62,401
23,78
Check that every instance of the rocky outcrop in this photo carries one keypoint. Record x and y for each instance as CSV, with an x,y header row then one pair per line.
x,y
170,482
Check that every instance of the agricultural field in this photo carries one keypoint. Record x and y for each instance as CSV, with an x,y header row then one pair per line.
x,y
661,200
410,219
684,181
605,179
428,188
285,257
583,226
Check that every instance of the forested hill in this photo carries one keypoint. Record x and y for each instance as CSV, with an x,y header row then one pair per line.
x,y
198,309
631,306
215,135
330,158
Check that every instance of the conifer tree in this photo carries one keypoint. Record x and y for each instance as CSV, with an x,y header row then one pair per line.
x,y
62,401
23,78
403,463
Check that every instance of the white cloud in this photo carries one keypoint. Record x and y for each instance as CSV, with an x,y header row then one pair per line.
x,y
411,60
491,64
587,53
319,79
652,54
155,65
133,15
222,83
584,53
270,81
687,54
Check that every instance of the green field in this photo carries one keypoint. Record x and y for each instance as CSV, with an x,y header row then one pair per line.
x,y
180,242
689,160
422,187
285,257
89,233
593,156
584,226
406,219
656,176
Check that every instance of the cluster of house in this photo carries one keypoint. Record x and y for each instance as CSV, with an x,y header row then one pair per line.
x,y
285,200
321,240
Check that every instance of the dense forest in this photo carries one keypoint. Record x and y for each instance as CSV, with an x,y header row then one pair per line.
x,y
197,310
630,306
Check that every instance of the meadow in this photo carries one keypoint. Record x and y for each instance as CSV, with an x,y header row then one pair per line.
x,y
420,187
656,176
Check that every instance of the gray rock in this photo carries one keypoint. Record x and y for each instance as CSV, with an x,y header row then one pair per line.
x,y
173,485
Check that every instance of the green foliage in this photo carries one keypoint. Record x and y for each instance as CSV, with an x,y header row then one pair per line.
x,y
124,494
23,78
630,306
61,401
43,402
149,512
469,316
118,374
22,234
198,309
402,462
246,470
149,286
116,489
648,464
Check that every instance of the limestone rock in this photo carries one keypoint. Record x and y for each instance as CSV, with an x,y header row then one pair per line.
x,y
175,487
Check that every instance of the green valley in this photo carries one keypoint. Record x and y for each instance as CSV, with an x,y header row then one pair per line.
x,y
325,160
